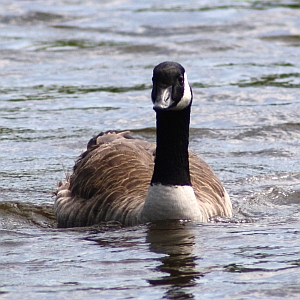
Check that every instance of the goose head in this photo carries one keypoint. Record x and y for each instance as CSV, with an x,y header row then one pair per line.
x,y
171,89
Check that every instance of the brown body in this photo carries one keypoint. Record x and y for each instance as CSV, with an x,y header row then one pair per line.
x,y
111,181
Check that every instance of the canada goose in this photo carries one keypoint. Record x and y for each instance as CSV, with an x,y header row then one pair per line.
x,y
132,181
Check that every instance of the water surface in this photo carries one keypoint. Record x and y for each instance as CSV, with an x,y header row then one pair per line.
x,y
71,69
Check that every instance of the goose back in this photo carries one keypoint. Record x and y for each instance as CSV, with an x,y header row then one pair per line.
x,y
111,178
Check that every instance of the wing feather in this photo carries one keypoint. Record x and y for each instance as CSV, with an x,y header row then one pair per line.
x,y
111,180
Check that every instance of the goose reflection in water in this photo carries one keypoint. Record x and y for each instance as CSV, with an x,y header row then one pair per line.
x,y
176,240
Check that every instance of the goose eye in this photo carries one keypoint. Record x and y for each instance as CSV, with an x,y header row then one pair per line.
x,y
180,80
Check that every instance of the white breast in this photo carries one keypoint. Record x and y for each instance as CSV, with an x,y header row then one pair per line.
x,y
171,202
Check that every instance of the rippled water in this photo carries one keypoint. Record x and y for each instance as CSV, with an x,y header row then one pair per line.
x,y
70,69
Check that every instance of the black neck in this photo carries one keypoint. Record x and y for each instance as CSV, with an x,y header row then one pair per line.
x,y
172,138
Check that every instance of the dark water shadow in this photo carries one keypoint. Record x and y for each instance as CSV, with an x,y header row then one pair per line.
x,y
178,268
17,214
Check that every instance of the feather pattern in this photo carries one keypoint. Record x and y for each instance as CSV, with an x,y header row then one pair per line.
x,y
111,180
133,181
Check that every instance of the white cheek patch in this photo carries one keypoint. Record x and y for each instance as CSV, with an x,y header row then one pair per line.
x,y
187,96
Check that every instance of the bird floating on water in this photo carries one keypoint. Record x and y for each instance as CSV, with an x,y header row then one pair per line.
x,y
120,178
